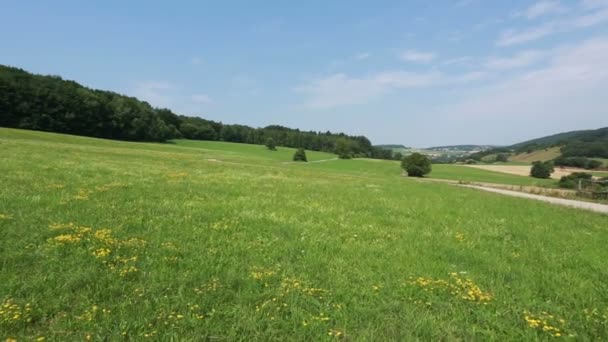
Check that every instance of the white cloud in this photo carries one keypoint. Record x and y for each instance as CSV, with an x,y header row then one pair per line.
x,y
341,90
465,60
363,55
542,8
569,91
511,37
417,56
521,59
590,4
597,16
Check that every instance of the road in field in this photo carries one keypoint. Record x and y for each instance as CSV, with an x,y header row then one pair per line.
x,y
600,208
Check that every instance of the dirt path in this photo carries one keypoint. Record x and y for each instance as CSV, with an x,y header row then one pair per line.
x,y
600,208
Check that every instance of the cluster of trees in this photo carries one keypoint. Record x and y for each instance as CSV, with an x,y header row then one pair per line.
x,y
597,149
499,151
49,103
571,181
582,162
383,152
541,169
502,157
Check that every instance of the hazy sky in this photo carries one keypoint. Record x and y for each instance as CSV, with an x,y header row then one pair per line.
x,y
419,73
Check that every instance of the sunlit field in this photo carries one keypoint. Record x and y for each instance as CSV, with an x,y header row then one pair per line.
x,y
104,240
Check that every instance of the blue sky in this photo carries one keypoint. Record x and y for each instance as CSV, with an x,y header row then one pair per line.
x,y
420,73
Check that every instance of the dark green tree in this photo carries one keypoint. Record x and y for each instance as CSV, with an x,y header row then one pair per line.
x,y
300,155
270,144
343,148
541,169
571,181
416,165
502,157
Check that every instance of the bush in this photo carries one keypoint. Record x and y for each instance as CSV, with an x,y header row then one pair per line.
x,y
571,181
502,157
541,169
300,155
416,165
594,164
270,144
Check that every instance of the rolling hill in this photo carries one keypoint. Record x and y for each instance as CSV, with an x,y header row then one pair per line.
x,y
584,143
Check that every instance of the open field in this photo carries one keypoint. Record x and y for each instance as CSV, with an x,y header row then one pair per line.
x,y
486,173
104,240
542,155
522,170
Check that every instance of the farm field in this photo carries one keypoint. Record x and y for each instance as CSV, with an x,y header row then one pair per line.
x,y
487,173
542,155
524,170
104,240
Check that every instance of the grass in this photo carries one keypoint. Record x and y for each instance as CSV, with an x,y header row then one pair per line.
x,y
543,155
598,173
106,240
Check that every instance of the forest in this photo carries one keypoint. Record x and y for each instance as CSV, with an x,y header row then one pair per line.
x,y
50,103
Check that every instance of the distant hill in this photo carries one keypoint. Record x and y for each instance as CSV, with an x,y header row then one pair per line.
x,y
553,139
591,143
470,148
584,143
392,147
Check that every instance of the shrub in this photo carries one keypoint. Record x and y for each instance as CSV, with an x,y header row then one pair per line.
x,y
300,155
343,149
571,181
502,157
270,144
581,162
416,165
594,164
541,169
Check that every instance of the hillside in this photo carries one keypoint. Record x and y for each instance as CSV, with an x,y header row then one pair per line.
x,y
550,139
542,155
462,148
392,147
585,143
49,103
205,240
575,144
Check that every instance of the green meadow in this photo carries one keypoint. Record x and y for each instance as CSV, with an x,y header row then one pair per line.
x,y
103,240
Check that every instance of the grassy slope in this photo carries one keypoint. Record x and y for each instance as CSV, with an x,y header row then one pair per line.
x,y
543,155
260,249
248,151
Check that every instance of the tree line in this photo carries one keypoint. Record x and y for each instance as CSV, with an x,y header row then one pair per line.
x,y
49,103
